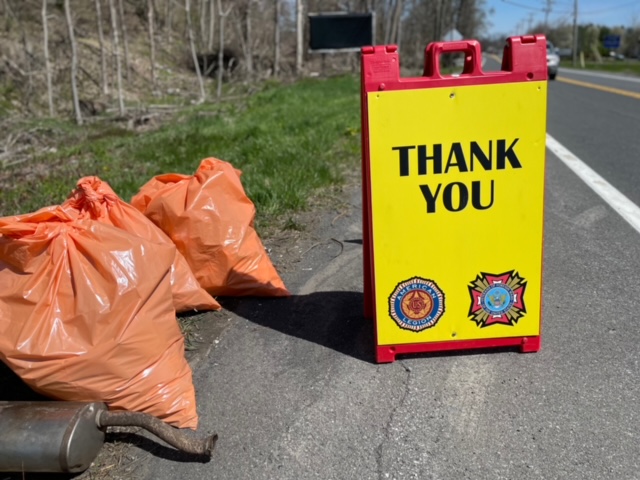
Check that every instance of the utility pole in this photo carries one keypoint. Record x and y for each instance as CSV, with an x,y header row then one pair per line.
x,y
547,11
574,53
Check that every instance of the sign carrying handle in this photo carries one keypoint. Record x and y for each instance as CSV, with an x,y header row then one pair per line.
x,y
472,57
524,59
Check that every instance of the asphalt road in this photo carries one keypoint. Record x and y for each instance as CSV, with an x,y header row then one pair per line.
x,y
292,389
600,127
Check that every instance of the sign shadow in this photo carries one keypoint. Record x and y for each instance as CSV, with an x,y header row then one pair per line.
x,y
331,319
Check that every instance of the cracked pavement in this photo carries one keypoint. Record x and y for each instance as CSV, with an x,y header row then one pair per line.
x,y
293,391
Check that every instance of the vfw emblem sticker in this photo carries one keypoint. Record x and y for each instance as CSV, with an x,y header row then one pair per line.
x,y
497,299
416,304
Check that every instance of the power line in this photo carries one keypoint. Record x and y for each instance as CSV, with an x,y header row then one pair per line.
x,y
614,7
539,8
591,12
527,7
547,11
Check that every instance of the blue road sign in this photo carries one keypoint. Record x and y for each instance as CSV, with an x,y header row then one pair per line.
x,y
611,42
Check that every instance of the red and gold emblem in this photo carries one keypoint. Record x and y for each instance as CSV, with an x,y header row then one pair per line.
x,y
416,304
497,299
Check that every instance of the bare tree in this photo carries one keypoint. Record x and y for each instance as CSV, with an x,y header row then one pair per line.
x,y
47,63
222,15
203,21
9,13
248,29
299,35
125,39
212,21
192,43
152,43
276,40
470,16
103,53
168,20
116,48
29,69
74,63
243,28
394,35
388,9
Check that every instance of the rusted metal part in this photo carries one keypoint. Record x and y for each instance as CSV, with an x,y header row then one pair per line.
x,y
66,437
49,436
175,437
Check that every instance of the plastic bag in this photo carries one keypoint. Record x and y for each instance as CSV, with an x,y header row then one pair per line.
x,y
95,199
210,219
86,315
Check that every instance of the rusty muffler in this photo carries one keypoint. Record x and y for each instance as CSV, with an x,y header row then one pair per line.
x,y
67,436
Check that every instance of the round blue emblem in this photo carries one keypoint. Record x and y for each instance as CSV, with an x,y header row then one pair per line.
x,y
497,299
416,304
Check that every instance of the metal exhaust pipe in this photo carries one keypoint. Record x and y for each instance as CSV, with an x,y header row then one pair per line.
x,y
65,437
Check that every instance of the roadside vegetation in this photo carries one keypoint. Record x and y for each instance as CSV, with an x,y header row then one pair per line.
x,y
289,141
628,67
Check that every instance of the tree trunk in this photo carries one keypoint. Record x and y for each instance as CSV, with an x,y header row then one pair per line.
x,y
239,25
28,58
125,39
8,14
395,23
116,48
203,22
388,13
249,56
192,43
74,63
152,43
299,35
47,63
168,16
212,23
103,53
276,40
222,15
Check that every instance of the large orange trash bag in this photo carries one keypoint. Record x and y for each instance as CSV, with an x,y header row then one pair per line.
x,y
210,219
86,315
95,199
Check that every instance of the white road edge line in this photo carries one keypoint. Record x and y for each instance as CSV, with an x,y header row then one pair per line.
x,y
589,73
610,194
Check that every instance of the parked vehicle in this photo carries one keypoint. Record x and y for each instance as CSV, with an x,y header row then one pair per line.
x,y
553,61
564,52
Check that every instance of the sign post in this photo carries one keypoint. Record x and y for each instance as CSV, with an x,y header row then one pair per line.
x,y
453,186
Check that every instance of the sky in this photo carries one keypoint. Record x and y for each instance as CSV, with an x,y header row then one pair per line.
x,y
513,17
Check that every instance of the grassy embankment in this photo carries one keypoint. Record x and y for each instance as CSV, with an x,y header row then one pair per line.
x,y
628,67
290,141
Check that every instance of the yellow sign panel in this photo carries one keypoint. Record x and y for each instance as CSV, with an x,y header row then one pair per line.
x,y
457,184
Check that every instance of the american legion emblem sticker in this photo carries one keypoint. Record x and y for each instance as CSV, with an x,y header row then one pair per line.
x,y
416,304
497,299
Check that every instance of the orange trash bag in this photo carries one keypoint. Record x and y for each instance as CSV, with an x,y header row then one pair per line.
x,y
95,199
210,219
86,315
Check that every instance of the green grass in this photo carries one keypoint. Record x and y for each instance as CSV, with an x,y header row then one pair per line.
x,y
289,141
629,67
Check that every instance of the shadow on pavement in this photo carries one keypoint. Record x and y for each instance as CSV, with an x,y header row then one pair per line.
x,y
13,389
331,319
155,447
